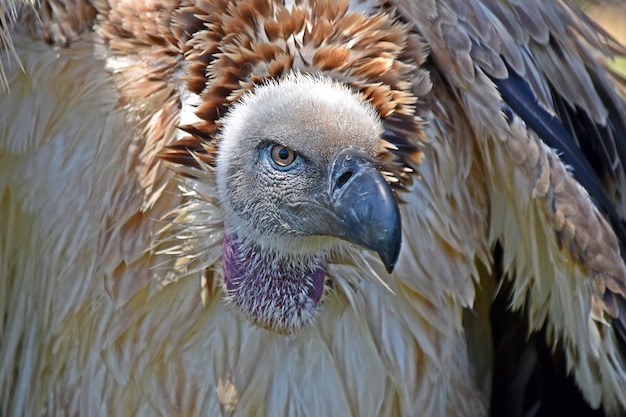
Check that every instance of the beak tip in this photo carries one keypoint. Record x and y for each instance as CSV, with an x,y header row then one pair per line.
x,y
389,255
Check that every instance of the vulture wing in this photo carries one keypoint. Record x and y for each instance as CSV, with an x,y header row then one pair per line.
x,y
501,134
546,119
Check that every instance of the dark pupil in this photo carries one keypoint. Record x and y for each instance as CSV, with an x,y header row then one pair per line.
x,y
283,154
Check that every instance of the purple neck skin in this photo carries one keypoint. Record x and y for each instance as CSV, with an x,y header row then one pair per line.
x,y
270,291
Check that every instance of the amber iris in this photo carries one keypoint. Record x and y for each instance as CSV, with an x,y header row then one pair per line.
x,y
282,156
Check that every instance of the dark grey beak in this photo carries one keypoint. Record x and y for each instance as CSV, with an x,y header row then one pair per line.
x,y
362,207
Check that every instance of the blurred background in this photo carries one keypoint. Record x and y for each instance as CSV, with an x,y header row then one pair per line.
x,y
611,15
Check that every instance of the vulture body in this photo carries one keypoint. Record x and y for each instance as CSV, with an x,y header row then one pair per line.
x,y
309,208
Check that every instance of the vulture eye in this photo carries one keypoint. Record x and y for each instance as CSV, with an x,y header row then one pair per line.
x,y
282,157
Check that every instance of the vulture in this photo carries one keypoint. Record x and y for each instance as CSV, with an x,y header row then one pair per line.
x,y
310,208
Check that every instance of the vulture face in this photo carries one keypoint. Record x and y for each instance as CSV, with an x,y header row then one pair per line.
x,y
297,176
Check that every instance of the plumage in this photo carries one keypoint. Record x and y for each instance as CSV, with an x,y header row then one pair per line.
x,y
200,200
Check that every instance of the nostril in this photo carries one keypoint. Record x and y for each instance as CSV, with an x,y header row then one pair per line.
x,y
343,179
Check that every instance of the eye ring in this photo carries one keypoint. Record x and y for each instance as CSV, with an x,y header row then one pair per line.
x,y
282,156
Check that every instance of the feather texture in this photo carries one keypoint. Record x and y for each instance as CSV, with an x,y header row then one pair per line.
x,y
502,129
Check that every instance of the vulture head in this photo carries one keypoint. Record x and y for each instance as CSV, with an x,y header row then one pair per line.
x,y
297,177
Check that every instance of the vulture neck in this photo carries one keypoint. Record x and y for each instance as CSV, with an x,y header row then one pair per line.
x,y
273,290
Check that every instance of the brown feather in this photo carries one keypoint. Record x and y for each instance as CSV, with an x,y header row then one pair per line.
x,y
377,45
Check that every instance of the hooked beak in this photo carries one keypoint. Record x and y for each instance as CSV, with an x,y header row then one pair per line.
x,y
362,208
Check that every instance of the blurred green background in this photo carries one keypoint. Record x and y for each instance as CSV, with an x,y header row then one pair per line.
x,y
610,14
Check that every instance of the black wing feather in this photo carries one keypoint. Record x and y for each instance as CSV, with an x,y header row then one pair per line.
x,y
554,132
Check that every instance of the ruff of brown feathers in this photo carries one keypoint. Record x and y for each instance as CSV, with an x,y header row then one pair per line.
x,y
235,45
